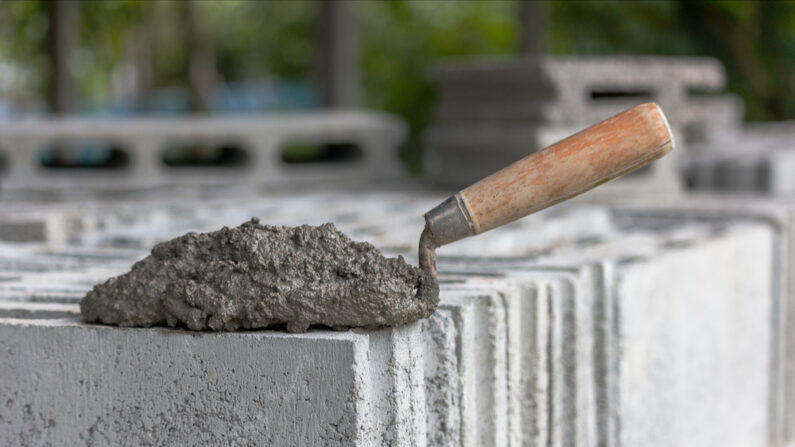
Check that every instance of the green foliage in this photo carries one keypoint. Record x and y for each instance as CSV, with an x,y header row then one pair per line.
x,y
401,40
256,39
23,31
755,39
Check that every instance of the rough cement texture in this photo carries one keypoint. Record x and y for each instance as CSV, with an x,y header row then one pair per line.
x,y
163,387
442,379
482,365
255,276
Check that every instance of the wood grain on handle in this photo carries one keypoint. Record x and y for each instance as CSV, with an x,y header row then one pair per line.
x,y
569,167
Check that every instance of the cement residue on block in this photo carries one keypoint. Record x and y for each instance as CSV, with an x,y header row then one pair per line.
x,y
255,276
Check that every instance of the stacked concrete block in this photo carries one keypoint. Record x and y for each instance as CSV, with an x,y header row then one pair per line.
x,y
710,117
549,332
39,224
695,304
674,336
618,371
779,216
755,158
144,141
33,310
443,382
159,386
690,306
40,273
551,392
493,112
483,365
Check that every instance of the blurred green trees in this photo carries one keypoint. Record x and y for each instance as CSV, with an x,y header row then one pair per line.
x,y
755,40
400,40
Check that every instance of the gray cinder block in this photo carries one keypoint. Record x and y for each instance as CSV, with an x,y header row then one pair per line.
x,y
11,309
64,382
485,104
550,349
483,365
395,405
161,386
442,378
143,141
680,319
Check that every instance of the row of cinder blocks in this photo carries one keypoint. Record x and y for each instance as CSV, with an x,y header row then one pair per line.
x,y
491,112
778,215
757,158
620,340
44,273
366,145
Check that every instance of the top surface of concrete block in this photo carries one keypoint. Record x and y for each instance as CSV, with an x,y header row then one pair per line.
x,y
696,72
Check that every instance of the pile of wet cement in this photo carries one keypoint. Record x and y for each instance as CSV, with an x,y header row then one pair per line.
x,y
255,276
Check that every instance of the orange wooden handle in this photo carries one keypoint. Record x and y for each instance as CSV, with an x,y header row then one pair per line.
x,y
602,152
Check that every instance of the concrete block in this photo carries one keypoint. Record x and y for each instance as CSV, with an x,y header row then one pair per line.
x,y
11,309
754,158
159,386
709,116
459,156
24,230
482,364
605,403
549,416
685,328
533,389
396,401
778,217
730,294
550,94
514,297
442,380
463,314
677,313
569,81
261,140
550,349
555,374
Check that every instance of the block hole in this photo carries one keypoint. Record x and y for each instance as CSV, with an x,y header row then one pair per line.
x,y
695,133
606,94
192,155
89,155
327,153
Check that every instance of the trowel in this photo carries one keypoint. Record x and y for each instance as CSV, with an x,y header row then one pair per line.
x,y
607,150
256,276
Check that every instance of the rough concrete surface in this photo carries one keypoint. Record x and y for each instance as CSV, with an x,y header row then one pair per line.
x,y
255,276
65,383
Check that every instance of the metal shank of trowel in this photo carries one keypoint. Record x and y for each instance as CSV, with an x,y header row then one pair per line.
x,y
602,152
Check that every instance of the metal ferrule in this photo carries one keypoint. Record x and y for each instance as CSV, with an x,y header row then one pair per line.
x,y
449,221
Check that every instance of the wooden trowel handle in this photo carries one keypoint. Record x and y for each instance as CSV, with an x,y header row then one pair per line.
x,y
602,152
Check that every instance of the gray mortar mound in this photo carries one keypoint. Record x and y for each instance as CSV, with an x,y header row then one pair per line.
x,y
255,276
